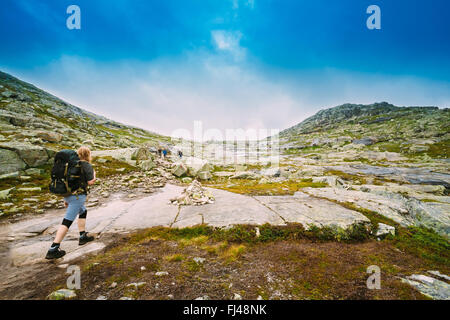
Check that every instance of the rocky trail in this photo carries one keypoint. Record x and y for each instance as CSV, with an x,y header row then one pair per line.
x,y
24,243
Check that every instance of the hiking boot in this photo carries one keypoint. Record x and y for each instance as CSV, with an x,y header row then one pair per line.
x,y
55,253
85,239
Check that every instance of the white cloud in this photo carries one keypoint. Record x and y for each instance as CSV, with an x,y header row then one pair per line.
x,y
169,94
247,3
229,41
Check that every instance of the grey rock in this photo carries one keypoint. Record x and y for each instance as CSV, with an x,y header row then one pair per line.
x,y
62,294
364,141
14,174
4,194
186,180
204,175
431,287
147,165
384,229
10,162
49,136
246,175
30,154
179,170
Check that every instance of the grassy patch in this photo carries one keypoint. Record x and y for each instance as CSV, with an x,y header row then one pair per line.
x,y
233,252
420,241
348,177
109,168
175,257
252,187
423,242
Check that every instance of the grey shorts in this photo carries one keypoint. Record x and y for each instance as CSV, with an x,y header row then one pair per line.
x,y
76,206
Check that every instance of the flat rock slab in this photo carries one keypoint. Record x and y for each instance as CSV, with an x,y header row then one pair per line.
x,y
151,211
34,252
403,210
228,209
429,286
307,210
88,249
411,175
385,206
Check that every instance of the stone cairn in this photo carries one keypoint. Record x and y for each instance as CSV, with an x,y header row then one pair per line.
x,y
194,194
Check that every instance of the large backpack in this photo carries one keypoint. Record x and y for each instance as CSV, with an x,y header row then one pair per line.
x,y
67,174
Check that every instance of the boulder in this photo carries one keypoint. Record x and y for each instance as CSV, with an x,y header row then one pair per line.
x,y
62,294
142,154
4,194
32,155
271,172
384,230
204,175
364,141
186,180
49,136
246,175
179,170
10,162
147,165
196,165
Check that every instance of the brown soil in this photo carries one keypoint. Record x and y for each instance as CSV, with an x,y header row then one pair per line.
x,y
300,269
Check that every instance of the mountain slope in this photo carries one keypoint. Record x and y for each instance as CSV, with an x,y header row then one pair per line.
x,y
406,130
29,114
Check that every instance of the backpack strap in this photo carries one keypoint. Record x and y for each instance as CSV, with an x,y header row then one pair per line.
x,y
83,178
66,178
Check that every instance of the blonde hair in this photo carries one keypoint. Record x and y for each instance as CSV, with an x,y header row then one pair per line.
x,y
85,154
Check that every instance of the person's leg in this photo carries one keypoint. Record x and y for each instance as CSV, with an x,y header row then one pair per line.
x,y
84,237
61,233
82,218
71,213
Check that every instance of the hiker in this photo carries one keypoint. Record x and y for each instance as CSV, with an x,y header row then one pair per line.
x,y
180,154
159,152
75,198
164,153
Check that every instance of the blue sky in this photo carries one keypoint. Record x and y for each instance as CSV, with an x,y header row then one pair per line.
x,y
230,63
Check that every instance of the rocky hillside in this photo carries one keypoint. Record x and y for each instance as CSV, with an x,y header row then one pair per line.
x,y
34,124
407,130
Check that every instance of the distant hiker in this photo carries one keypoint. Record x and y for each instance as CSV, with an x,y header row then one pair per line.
x,y
160,152
180,154
164,153
71,175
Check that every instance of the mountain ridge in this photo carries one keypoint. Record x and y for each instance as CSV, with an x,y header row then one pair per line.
x,y
351,110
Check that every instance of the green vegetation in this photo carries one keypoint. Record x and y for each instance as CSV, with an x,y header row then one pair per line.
x,y
346,176
425,243
253,187
111,167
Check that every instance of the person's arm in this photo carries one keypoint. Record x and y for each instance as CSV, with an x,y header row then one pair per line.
x,y
91,182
